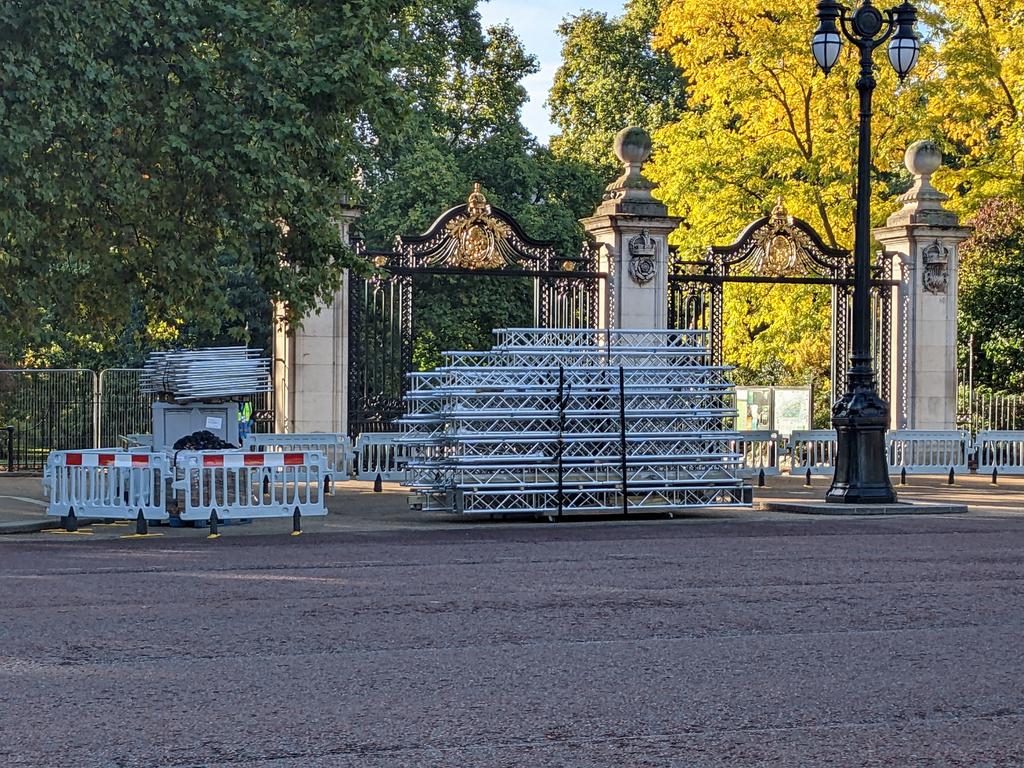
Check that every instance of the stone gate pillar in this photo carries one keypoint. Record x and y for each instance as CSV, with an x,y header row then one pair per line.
x,y
923,239
633,229
311,362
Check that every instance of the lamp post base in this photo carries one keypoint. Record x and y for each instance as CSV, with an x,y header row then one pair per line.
x,y
861,471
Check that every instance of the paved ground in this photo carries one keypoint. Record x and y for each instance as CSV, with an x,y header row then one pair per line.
x,y
356,508
380,639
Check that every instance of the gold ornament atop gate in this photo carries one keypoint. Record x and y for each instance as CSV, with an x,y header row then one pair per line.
x,y
478,236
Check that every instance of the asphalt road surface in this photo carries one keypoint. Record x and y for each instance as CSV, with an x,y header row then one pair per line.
x,y
851,642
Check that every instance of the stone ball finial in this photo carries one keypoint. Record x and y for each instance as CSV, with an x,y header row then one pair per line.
x,y
922,203
923,158
633,145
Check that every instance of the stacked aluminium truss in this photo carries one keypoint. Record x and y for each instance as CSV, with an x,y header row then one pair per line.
x,y
206,374
557,422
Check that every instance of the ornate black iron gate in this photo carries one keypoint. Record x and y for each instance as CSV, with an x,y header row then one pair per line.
x,y
781,249
469,239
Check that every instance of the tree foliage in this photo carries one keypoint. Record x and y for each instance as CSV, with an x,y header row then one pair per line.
x,y
991,299
764,122
761,122
466,127
610,78
978,100
154,151
790,324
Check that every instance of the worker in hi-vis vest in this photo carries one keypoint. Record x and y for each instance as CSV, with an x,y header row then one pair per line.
x,y
244,421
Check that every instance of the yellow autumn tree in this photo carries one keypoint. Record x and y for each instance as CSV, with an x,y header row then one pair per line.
x,y
764,123
979,99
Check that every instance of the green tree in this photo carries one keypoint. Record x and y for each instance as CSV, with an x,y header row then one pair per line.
x,y
612,77
991,296
466,127
154,151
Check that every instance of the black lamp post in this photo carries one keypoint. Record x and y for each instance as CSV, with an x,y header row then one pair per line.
x,y
861,416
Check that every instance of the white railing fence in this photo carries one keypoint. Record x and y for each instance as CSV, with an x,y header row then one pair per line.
x,y
760,450
928,452
812,449
1000,450
383,453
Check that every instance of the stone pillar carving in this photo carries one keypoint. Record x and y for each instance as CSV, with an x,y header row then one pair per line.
x,y
633,229
311,362
923,239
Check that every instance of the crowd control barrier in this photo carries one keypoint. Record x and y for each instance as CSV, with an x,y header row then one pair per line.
x,y
382,452
812,449
336,450
1000,450
244,485
107,483
927,451
760,451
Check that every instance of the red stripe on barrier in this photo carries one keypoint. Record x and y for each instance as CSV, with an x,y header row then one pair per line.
x,y
140,460
253,460
213,461
73,459
105,459
295,458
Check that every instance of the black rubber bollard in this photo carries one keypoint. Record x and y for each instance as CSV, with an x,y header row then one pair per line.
x,y
995,476
296,522
141,526
70,521
903,476
214,522
328,484
760,478
951,480
266,486
378,484
807,478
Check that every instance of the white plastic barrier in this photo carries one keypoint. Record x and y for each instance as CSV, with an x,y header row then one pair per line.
x,y
1001,450
927,451
241,484
813,449
336,449
107,483
760,450
384,453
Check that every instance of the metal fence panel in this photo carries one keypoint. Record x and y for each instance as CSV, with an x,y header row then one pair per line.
x,y
66,409
123,408
978,410
50,409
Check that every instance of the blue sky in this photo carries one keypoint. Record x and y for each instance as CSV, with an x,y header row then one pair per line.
x,y
535,21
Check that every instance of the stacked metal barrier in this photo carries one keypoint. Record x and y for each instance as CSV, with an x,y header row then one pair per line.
x,y
189,375
556,422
